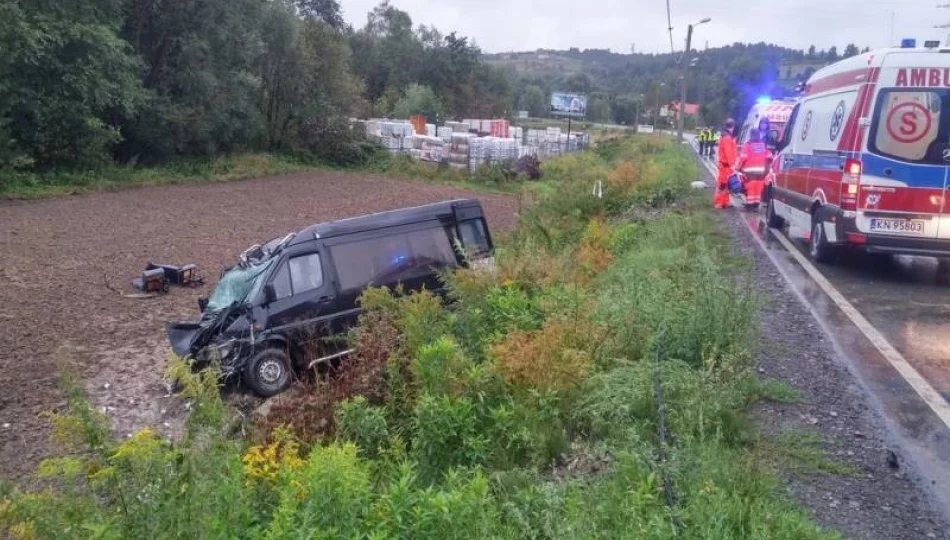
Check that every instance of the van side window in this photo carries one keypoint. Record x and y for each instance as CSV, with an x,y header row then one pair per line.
x,y
281,282
909,125
306,273
391,259
474,238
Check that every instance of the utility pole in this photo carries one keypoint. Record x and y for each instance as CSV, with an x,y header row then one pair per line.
x,y
681,112
944,26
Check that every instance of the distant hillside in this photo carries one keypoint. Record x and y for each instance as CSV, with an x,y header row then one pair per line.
x,y
725,80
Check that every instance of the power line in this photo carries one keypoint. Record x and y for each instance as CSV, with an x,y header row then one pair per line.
x,y
669,23
944,26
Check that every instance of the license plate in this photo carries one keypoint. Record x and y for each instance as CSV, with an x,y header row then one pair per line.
x,y
897,226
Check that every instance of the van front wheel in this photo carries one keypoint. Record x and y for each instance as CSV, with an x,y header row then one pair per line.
x,y
820,250
268,372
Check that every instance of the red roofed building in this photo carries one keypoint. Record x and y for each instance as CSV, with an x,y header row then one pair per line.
x,y
672,109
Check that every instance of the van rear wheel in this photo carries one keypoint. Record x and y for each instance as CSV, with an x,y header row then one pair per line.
x,y
820,250
268,372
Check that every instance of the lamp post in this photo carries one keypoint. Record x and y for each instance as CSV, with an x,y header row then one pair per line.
x,y
681,113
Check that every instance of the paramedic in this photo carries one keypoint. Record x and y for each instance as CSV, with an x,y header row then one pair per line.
x,y
702,142
713,142
753,164
727,160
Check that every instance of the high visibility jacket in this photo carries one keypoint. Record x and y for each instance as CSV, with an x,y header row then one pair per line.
x,y
726,153
754,159
703,136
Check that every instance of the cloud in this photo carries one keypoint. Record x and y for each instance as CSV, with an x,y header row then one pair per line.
x,y
524,25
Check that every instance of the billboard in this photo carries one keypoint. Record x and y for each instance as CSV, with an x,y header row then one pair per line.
x,y
563,104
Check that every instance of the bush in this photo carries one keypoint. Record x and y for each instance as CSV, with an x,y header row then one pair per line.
x,y
363,424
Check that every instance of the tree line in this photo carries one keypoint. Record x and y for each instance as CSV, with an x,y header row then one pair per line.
x,y
725,81
90,82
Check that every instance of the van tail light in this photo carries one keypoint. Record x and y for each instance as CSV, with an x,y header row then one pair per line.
x,y
850,184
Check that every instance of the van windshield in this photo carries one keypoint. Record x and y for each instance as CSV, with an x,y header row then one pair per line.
x,y
910,125
237,285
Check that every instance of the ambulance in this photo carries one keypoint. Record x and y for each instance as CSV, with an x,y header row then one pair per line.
x,y
865,157
777,112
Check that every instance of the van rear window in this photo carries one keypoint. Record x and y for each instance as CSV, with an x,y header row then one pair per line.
x,y
474,237
909,125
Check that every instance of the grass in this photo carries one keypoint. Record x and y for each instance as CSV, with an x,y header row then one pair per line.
x,y
532,408
29,185
805,452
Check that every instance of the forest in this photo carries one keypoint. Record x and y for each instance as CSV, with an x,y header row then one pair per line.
x,y
90,83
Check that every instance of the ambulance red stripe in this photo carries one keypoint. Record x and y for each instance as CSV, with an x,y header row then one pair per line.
x,y
843,80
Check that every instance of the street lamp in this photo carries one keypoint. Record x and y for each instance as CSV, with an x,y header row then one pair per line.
x,y
681,116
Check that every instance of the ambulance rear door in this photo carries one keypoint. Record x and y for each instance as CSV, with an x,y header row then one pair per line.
x,y
906,160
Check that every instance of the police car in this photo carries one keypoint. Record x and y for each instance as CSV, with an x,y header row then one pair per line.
x,y
865,160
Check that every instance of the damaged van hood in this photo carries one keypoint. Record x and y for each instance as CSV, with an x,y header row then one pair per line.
x,y
190,337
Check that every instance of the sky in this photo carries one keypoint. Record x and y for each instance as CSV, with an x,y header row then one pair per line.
x,y
526,25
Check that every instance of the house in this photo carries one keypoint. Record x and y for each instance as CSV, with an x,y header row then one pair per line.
x,y
672,110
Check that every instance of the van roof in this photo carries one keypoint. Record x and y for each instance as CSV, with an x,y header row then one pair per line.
x,y
381,220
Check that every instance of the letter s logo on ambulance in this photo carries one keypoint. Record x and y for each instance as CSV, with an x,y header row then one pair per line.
x,y
908,122
923,77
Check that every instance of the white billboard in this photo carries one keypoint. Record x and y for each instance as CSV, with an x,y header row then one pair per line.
x,y
564,104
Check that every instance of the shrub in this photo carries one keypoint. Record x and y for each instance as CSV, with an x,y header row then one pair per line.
x,y
447,434
556,358
363,424
327,498
440,368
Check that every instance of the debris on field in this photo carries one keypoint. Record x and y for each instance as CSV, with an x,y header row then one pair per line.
x,y
157,278
698,185
6,425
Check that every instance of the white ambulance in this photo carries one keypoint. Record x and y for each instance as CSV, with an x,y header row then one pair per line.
x,y
865,160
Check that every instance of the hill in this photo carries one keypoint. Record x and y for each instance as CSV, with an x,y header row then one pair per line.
x,y
724,80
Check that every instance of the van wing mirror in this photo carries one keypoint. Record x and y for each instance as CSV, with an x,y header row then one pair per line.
x,y
270,293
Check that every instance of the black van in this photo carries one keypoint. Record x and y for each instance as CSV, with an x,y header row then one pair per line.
x,y
303,288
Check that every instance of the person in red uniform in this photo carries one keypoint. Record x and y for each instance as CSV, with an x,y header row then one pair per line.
x,y
726,154
754,159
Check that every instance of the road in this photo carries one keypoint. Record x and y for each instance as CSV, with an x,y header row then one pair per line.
x,y
889,319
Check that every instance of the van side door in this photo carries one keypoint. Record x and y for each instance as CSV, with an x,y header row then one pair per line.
x,y
305,302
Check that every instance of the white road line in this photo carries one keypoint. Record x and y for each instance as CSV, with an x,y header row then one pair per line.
x,y
931,397
920,385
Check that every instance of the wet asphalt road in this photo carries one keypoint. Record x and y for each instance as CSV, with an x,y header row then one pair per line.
x,y
907,300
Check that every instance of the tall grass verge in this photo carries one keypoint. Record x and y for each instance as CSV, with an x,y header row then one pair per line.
x,y
593,386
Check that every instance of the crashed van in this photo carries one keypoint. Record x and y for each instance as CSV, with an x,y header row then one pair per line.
x,y
267,311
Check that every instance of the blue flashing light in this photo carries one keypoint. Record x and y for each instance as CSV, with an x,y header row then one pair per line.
x,y
764,100
908,43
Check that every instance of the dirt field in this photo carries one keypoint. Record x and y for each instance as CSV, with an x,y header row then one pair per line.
x,y
58,253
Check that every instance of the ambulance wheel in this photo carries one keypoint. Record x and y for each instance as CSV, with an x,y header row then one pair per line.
x,y
268,372
819,249
773,220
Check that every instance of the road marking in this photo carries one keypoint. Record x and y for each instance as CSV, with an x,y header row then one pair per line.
x,y
931,397
920,385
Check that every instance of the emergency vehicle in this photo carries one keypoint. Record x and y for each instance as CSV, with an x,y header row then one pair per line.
x,y
866,156
776,111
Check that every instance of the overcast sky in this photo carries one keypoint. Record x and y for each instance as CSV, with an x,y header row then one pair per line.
x,y
520,25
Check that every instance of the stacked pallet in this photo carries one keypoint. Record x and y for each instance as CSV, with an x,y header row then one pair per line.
x,y
459,149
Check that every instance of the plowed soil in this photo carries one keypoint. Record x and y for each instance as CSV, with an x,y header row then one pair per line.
x,y
58,256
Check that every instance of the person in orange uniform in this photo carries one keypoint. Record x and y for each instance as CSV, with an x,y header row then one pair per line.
x,y
726,154
753,164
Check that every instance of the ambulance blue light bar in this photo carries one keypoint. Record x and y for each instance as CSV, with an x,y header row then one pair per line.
x,y
908,43
764,100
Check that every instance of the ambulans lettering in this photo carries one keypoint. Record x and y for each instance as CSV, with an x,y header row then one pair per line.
x,y
923,77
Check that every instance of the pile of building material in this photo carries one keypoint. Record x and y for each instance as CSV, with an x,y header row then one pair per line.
x,y
471,143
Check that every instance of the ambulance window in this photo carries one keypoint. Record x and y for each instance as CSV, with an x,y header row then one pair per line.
x,y
908,125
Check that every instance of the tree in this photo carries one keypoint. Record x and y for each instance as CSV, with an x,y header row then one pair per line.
x,y
598,109
811,52
327,11
533,100
851,50
68,80
625,109
422,100
833,53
